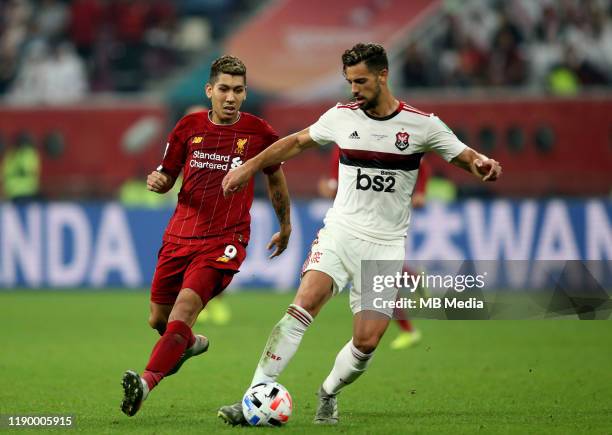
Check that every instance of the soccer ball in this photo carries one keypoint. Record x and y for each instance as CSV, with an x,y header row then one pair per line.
x,y
267,404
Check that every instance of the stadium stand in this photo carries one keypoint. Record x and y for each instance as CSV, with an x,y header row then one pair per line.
x,y
136,65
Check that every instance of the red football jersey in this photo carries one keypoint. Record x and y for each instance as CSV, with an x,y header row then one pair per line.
x,y
206,152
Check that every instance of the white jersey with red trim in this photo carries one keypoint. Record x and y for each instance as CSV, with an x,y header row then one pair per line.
x,y
379,163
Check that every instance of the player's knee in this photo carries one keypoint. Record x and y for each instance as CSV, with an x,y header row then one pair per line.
x,y
311,306
366,344
186,310
158,324
312,295
187,307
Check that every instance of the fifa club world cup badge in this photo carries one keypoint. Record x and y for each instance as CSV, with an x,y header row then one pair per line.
x,y
401,140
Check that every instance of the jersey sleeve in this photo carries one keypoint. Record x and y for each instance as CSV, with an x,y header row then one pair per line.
x,y
322,131
176,149
269,136
442,140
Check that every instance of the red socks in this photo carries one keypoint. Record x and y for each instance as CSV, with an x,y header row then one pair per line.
x,y
404,324
168,351
402,320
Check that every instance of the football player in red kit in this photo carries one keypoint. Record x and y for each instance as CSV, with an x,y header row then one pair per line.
x,y
206,238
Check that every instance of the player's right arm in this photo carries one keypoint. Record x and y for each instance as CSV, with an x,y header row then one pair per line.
x,y
160,182
162,179
280,151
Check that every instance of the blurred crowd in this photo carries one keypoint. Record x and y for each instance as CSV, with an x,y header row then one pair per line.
x,y
54,51
559,45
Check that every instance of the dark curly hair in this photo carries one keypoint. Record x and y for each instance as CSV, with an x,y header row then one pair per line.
x,y
374,56
227,65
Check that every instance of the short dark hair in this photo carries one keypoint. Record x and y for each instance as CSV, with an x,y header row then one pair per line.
x,y
374,56
227,65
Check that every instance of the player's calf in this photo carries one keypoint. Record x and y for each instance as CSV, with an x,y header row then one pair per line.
x,y
368,329
350,364
282,344
158,319
200,345
168,352
158,324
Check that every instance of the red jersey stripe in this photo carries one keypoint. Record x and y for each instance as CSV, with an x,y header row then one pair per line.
x,y
409,108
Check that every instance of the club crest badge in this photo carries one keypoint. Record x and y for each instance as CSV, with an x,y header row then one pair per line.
x,y
401,140
240,144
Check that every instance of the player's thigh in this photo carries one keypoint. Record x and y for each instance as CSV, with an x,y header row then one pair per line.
x,y
376,263
212,268
368,328
172,261
206,280
200,285
314,291
323,273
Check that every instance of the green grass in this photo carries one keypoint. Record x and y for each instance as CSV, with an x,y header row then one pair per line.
x,y
64,352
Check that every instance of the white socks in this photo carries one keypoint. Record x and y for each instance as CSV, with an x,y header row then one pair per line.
x,y
282,344
145,389
350,364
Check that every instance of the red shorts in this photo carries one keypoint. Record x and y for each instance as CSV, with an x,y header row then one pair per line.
x,y
207,269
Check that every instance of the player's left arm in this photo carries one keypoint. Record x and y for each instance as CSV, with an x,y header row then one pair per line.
x,y
442,140
279,197
478,164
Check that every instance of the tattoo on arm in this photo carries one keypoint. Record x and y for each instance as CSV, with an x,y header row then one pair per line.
x,y
280,203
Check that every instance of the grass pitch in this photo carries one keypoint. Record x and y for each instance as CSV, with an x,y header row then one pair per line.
x,y
65,352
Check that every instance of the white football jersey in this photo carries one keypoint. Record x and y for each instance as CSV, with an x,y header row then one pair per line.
x,y
379,164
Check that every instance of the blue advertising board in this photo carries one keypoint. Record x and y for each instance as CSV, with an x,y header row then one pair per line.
x,y
99,245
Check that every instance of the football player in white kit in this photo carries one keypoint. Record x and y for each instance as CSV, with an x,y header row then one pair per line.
x,y
381,141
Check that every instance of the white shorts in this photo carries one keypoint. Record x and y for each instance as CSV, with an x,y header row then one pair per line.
x,y
339,255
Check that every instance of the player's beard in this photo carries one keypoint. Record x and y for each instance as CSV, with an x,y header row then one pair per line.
x,y
372,102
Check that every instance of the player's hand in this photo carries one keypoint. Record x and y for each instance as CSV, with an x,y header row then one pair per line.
x,y
418,200
236,179
159,182
488,169
279,240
